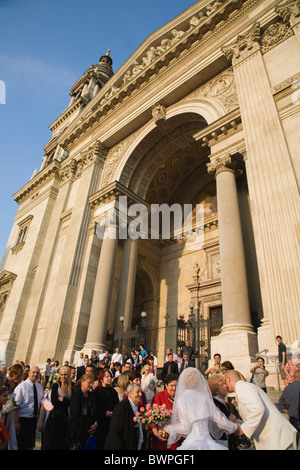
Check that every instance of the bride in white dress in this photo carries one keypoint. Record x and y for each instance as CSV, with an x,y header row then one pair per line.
x,y
195,417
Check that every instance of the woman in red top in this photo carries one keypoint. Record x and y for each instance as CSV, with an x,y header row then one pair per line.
x,y
166,397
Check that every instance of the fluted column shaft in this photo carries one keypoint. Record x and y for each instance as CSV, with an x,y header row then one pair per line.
x,y
235,301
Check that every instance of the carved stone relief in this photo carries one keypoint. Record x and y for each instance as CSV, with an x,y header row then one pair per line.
x,y
221,88
274,35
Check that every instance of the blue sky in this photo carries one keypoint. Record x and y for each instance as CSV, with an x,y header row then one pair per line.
x,y
46,45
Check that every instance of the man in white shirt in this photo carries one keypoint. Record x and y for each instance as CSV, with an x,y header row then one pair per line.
x,y
117,357
101,354
28,395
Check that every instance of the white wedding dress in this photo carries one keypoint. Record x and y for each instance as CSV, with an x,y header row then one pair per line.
x,y
196,418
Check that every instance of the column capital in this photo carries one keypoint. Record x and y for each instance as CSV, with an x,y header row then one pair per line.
x,y
223,163
244,45
289,12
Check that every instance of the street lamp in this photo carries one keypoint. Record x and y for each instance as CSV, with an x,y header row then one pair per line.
x,y
122,332
142,328
191,321
144,316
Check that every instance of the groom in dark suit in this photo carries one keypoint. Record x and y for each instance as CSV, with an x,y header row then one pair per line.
x,y
123,433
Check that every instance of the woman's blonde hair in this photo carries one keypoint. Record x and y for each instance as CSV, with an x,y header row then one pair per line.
x,y
146,366
123,381
68,370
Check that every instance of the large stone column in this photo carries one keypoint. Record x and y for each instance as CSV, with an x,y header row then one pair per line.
x,y
235,301
127,283
97,330
237,341
273,191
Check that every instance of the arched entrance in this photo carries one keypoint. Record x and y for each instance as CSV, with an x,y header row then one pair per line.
x,y
169,167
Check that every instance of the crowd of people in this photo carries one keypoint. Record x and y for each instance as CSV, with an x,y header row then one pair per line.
x,y
98,404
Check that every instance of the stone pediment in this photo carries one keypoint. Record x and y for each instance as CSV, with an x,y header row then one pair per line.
x,y
7,278
155,53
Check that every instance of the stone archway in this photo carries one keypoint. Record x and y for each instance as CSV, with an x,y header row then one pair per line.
x,y
167,166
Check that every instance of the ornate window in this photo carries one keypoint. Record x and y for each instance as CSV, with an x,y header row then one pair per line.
x,y
22,234
6,282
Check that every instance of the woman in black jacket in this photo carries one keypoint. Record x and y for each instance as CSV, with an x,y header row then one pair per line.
x,y
83,413
107,399
55,436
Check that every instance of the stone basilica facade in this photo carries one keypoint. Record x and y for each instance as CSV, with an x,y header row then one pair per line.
x,y
205,113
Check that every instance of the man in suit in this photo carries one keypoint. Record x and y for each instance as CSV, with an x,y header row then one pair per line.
x,y
170,367
187,348
123,433
186,362
262,421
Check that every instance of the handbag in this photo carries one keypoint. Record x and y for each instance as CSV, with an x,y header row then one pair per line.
x,y
46,401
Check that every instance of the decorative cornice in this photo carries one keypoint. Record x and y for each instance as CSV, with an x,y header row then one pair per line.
x,y
221,129
111,193
51,171
67,113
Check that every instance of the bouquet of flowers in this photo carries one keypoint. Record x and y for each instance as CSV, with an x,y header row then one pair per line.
x,y
10,405
157,414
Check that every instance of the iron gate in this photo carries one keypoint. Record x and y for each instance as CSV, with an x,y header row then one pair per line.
x,y
199,333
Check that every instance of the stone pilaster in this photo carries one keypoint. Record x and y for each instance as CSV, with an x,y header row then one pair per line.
x,y
273,190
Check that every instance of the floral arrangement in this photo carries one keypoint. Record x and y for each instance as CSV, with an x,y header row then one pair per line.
x,y
10,405
157,414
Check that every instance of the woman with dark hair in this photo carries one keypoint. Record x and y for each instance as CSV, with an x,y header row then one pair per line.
x,y
135,377
107,399
158,441
144,354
